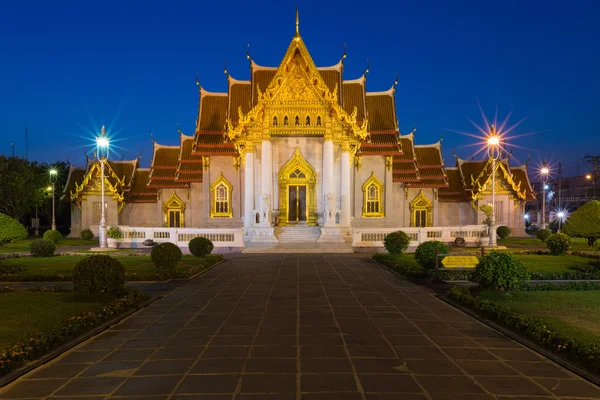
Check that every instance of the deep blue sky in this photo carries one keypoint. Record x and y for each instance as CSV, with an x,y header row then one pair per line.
x,y
68,67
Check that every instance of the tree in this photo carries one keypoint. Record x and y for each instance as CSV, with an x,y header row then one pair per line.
x,y
23,186
585,222
17,186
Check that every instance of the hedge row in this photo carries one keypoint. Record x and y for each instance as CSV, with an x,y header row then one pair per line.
x,y
13,276
43,342
414,270
587,355
574,286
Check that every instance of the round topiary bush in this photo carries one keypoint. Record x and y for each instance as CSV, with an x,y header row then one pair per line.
x,y
200,246
54,236
99,274
543,234
425,253
500,270
396,242
42,248
11,230
165,257
503,232
558,244
87,234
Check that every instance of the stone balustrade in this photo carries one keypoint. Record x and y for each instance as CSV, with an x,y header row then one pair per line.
x,y
134,237
373,237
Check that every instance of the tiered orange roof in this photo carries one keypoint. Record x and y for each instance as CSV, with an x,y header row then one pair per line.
x,y
140,192
189,167
163,171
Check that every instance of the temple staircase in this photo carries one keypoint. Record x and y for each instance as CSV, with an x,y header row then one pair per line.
x,y
298,234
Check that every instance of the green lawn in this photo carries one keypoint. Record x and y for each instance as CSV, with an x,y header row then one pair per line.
x,y
572,313
23,245
577,244
63,265
533,262
551,264
23,314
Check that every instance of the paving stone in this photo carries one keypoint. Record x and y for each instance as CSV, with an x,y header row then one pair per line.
x,y
146,386
398,335
90,386
272,365
395,383
114,369
37,388
569,387
165,367
511,386
205,384
269,383
327,382
449,384
57,370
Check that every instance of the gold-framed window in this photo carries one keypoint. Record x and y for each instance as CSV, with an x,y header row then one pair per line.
x,y
174,209
221,198
421,211
373,198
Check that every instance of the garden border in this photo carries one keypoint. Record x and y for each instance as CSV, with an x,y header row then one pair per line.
x,y
563,362
584,373
30,366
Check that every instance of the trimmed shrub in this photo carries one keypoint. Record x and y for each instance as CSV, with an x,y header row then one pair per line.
x,y
503,232
396,242
42,248
200,246
114,232
425,253
11,230
543,234
99,274
585,223
54,236
165,257
558,244
500,270
87,234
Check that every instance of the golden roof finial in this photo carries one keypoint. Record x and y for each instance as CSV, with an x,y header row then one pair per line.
x,y
297,23
344,56
225,68
367,70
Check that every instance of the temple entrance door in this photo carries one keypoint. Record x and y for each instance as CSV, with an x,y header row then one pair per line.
x,y
297,203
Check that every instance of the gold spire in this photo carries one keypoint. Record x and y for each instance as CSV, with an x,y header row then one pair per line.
x,y
297,23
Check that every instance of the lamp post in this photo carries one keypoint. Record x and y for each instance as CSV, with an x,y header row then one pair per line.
x,y
589,177
53,177
493,142
102,142
560,215
544,171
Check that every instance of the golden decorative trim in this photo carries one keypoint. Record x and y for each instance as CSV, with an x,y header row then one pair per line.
x,y
373,191
297,162
221,201
421,204
177,206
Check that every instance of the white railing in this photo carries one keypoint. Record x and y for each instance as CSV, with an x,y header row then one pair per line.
x,y
134,237
373,237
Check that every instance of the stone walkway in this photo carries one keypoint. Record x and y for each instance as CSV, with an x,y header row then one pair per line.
x,y
291,327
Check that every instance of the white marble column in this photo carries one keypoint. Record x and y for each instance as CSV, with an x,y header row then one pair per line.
x,y
346,170
267,174
328,178
249,187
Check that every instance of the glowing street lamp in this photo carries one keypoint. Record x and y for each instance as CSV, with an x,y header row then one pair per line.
x,y
53,176
493,147
544,172
102,143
